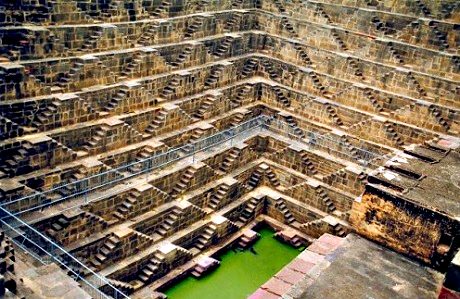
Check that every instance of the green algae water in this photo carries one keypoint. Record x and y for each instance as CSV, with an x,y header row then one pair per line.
x,y
240,273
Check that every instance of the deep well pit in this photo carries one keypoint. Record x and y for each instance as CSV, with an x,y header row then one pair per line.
x,y
140,137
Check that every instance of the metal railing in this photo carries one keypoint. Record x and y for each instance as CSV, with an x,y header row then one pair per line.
x,y
45,251
323,142
83,187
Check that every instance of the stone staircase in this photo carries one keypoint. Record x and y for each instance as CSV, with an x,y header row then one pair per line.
x,y
314,228
103,136
412,80
95,220
392,134
72,76
237,119
60,224
229,160
310,165
196,135
272,177
353,63
124,287
268,66
117,99
134,66
157,123
91,41
183,56
169,222
332,114
338,40
159,264
303,55
318,227
370,96
148,36
240,96
205,238
280,97
249,210
170,88
224,47
196,24
395,54
317,83
105,251
279,5
249,67
289,27
350,148
281,206
325,199
437,114
145,153
236,3
423,8
232,21
183,183
293,124
154,269
126,207
216,199
380,26
97,138
10,129
214,75
18,162
43,119
339,230
255,179
320,12
204,107
161,9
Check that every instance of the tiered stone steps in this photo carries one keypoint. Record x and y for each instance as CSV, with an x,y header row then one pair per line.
x,y
249,210
240,96
157,123
153,269
105,251
171,219
224,47
216,199
183,56
281,206
193,27
161,9
324,197
204,107
183,183
214,75
205,238
229,160
170,88
125,208
117,100
254,179
310,165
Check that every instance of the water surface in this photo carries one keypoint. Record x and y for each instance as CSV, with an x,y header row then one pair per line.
x,y
240,273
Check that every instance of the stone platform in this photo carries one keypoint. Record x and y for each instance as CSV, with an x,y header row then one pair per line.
x,y
351,267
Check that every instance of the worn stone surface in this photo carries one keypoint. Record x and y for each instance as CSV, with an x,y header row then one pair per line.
x,y
90,91
412,204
